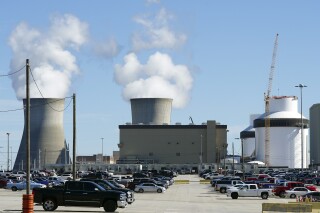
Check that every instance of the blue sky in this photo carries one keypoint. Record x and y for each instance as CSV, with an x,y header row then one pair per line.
x,y
223,49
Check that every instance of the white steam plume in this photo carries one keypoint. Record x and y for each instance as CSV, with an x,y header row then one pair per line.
x,y
156,33
51,61
158,78
107,49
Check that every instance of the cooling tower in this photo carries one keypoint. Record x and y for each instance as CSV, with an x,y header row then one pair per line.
x,y
285,147
156,111
47,141
248,137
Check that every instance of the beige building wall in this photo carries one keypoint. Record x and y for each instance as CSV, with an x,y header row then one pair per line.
x,y
171,144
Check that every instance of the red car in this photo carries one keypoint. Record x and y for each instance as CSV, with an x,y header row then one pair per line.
x,y
3,183
311,187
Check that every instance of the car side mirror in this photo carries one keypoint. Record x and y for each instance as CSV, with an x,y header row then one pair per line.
x,y
96,189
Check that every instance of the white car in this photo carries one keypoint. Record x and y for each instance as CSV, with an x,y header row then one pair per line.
x,y
297,191
149,187
66,176
23,185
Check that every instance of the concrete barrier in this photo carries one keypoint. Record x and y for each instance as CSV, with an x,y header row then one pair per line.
x,y
286,207
204,181
181,181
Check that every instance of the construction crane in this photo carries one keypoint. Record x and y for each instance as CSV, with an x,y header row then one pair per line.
x,y
267,104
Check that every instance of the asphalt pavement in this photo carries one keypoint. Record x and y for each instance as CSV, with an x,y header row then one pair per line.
x,y
194,197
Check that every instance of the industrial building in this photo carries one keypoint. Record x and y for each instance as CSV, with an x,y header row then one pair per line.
x,y
314,113
150,138
288,132
47,140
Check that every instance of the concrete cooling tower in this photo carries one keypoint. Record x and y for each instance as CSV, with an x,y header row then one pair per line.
x,y
286,148
155,111
249,140
47,141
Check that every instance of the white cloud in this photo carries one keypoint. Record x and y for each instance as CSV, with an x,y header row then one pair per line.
x,y
51,59
156,33
153,1
107,49
158,78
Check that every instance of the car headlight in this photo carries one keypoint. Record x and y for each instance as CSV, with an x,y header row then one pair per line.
x,y
129,194
123,197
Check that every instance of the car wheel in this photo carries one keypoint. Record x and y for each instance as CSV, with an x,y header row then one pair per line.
x,y
292,196
222,190
264,195
49,204
282,195
141,190
159,190
234,195
110,206
14,188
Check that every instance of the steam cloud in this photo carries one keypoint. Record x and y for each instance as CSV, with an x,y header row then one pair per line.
x,y
52,63
158,78
156,33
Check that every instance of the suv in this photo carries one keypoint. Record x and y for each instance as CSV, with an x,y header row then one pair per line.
x,y
222,185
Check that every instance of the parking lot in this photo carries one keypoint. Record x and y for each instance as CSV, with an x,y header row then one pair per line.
x,y
192,197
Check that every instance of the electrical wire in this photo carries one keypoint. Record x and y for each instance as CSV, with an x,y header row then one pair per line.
x,y
5,75
46,99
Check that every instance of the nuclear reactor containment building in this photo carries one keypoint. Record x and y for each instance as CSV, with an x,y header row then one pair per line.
x,y
286,147
47,140
150,138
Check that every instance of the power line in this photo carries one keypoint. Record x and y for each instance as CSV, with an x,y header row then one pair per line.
x,y
45,98
5,75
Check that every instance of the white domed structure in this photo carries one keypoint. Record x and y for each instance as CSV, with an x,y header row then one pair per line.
x,y
285,134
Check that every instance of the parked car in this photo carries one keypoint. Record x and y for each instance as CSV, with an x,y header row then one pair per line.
x,y
3,182
80,193
66,176
149,187
312,196
248,190
23,185
280,190
109,186
297,191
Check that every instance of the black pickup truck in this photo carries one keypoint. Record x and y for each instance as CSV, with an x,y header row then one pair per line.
x,y
109,186
79,193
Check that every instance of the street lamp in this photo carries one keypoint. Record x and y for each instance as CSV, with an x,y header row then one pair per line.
x,y
8,160
102,148
201,151
301,86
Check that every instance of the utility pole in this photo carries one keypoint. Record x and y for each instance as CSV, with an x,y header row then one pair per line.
x,y
74,137
8,160
28,126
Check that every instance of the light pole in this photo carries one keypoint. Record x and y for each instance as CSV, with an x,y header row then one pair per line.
x,y
233,159
102,149
201,152
301,86
8,160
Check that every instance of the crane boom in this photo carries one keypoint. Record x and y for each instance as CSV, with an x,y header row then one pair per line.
x,y
267,104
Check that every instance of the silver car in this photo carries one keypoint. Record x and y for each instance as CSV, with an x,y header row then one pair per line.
x,y
149,187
